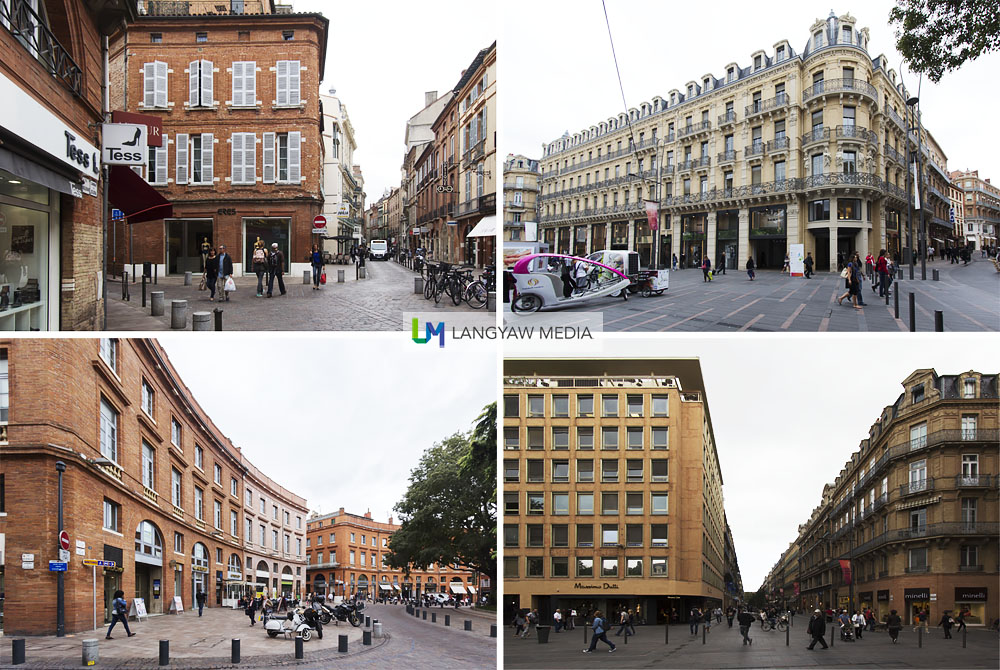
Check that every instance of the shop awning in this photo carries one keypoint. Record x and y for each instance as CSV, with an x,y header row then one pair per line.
x,y
138,200
396,586
27,169
457,588
487,227
472,590
385,587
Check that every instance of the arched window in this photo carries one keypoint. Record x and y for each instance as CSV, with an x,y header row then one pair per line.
x,y
235,566
363,582
148,540
199,555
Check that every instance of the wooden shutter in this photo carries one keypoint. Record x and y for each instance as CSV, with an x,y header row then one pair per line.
x,y
237,83
161,84
207,154
250,83
161,162
237,158
207,83
294,82
294,157
269,158
182,159
148,84
194,83
250,157
282,67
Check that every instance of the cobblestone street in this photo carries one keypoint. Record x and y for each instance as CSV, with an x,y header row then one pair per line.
x,y
376,303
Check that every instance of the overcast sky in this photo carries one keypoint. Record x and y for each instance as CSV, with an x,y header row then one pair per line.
x,y
338,421
558,72
788,412
382,56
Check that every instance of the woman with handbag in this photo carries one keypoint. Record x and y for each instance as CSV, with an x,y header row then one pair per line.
x,y
211,273
316,260
852,283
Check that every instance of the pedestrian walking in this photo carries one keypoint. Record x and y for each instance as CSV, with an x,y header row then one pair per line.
x,y
859,623
787,266
706,269
532,623
694,619
720,267
316,261
730,614
893,624
557,621
251,610
571,620
200,599
851,284
718,615
623,621
946,623
817,629
276,268
750,268
211,273
921,618
808,264
745,620
673,261
870,267
600,627
520,623
631,623
119,612
225,265
960,620
259,258
860,275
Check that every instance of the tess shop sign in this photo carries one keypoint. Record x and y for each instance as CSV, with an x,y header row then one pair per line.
x,y
596,587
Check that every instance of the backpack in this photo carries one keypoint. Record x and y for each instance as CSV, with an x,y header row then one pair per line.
x,y
259,256
274,260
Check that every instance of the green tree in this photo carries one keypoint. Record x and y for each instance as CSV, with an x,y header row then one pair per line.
x,y
938,36
448,513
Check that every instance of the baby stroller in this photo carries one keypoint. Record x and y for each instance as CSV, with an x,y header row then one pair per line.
x,y
847,632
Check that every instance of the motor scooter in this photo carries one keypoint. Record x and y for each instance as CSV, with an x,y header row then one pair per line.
x,y
294,623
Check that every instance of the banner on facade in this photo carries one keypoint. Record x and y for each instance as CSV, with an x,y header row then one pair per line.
x,y
653,215
916,188
796,584
796,258
845,568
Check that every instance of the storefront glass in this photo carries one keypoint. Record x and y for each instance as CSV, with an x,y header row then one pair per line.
x,y
727,230
619,235
269,230
599,237
185,239
643,243
971,600
25,261
693,228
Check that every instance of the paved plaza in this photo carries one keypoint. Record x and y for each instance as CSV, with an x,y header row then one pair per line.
x,y
969,297
376,303
723,648
206,643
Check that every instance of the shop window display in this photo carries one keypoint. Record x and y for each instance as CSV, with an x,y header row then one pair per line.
x,y
24,255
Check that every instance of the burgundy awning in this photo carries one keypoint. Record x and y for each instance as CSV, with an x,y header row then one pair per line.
x,y
138,200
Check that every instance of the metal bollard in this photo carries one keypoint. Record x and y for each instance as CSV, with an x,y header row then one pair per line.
x,y
178,314
447,619
418,285
368,621
236,651
424,617
895,299
342,644
201,321
920,637
17,652
913,312
935,276
144,290
964,631
299,650
90,653
666,633
187,278
361,271
366,638
468,624
788,632
156,272
218,318
307,276
491,299
164,652
493,630
377,630
434,617
938,321
703,634
340,276
156,303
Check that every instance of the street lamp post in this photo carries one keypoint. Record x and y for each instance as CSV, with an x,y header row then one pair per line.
x,y
60,585
912,103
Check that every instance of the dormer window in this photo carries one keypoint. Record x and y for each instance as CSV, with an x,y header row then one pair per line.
x,y
731,74
706,82
780,53
690,90
846,32
817,39
757,61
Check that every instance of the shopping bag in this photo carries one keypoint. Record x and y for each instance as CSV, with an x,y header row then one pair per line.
x,y
201,285
322,278
230,284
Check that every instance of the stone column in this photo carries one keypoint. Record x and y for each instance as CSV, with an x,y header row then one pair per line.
x,y
743,250
590,238
833,240
710,231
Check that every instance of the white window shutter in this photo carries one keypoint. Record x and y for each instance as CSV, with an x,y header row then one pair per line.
x,y
207,83
294,157
161,84
237,157
207,154
282,77
194,87
148,84
250,157
161,162
237,83
250,83
268,158
294,79
182,159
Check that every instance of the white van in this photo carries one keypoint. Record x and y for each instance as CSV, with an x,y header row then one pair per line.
x,y
378,250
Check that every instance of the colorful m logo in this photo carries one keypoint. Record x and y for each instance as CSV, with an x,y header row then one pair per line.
x,y
430,331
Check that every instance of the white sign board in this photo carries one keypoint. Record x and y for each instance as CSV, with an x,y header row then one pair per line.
x,y
64,555
138,609
27,565
176,606
81,548
530,231
124,144
344,209
796,256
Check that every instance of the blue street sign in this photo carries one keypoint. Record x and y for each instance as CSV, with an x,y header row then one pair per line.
x,y
117,214
57,566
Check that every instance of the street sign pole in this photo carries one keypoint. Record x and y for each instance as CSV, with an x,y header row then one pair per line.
x,y
93,572
60,586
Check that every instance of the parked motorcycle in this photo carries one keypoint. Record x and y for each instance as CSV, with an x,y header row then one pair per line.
x,y
294,623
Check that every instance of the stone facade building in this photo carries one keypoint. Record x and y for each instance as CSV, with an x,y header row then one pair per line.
x,y
980,209
911,521
612,493
520,196
238,96
343,187
150,484
800,147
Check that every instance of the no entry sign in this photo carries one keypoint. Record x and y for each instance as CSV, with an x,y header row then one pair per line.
x,y
64,539
319,221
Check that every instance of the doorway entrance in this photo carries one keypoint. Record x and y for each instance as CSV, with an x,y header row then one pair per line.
x,y
769,254
112,582
185,238
147,586
269,231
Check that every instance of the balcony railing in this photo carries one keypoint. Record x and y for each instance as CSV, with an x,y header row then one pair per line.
x,y
727,118
474,153
892,154
839,86
727,156
778,144
749,190
513,186
858,133
918,486
486,204
974,481
970,568
843,178
816,135
896,118
694,129
755,149
29,29
760,106
917,569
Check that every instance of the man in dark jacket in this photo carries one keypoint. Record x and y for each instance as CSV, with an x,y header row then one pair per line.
x,y
276,268
817,629
808,265
225,270
746,620
200,599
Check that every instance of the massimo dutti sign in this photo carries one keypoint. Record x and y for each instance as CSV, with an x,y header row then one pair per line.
x,y
604,586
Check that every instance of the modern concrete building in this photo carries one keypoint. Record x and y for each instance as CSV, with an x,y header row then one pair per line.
x,y
150,484
343,192
911,521
346,554
980,209
799,146
612,491
520,196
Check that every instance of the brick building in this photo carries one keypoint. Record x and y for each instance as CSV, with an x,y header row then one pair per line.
x,y
346,555
238,94
977,210
50,188
150,483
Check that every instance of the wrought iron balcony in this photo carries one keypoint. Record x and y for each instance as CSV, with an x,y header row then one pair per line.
x,y
848,86
778,102
896,118
749,190
686,165
843,178
917,569
858,133
30,30
892,154
974,481
970,568
694,129
704,161
755,149
727,118
816,135
727,156
667,169
474,153
918,486
513,186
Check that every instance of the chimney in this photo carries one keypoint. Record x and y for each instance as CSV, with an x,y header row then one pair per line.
x,y
341,510
368,514
430,97
390,521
